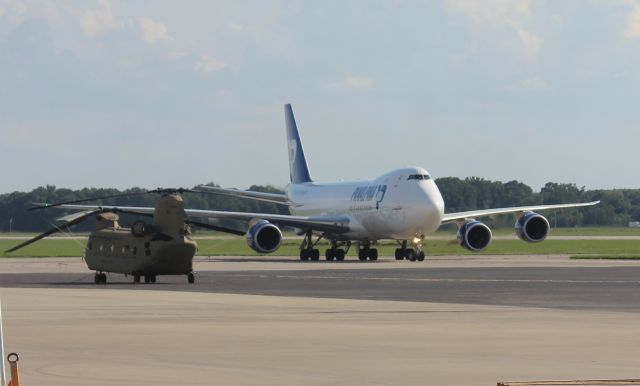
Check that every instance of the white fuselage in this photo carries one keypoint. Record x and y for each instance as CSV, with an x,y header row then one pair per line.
x,y
402,204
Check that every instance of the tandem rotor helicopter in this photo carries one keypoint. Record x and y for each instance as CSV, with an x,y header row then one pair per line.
x,y
163,246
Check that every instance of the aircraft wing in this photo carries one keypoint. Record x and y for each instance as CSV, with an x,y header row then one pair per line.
x,y
450,217
259,196
335,224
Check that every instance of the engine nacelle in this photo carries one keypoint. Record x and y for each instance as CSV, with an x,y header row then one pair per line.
x,y
141,229
474,236
264,237
532,227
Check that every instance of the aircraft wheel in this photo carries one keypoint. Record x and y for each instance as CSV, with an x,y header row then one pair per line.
x,y
153,279
373,254
363,253
340,254
330,254
100,278
304,255
421,256
399,254
411,255
315,254
136,277
191,278
147,279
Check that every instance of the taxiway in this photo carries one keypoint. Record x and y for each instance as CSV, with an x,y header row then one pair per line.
x,y
463,321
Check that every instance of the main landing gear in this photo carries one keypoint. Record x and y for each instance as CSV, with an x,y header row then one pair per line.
x,y
148,278
191,277
366,252
410,254
100,278
335,252
307,250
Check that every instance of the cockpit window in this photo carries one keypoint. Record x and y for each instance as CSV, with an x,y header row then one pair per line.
x,y
419,177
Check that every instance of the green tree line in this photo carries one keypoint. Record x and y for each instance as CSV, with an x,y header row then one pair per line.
x,y
617,207
14,206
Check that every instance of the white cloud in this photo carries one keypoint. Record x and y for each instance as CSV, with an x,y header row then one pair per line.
x,y
509,14
17,6
358,82
535,83
12,7
632,29
152,30
236,27
210,64
532,44
98,20
354,82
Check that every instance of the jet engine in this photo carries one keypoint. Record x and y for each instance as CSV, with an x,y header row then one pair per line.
x,y
532,227
264,237
474,235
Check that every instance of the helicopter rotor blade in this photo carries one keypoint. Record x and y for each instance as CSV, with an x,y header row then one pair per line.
x,y
45,205
38,206
118,210
216,228
58,228
75,215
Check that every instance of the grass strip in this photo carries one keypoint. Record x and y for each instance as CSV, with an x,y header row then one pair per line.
x,y
238,247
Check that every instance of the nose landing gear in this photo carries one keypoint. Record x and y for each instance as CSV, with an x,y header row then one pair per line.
x,y
414,253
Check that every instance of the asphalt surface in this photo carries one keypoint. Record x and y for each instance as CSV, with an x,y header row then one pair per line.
x,y
568,288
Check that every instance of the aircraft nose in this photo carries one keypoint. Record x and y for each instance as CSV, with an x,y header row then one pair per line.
x,y
432,207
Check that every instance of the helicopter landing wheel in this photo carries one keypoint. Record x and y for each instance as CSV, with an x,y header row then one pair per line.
x,y
100,278
191,278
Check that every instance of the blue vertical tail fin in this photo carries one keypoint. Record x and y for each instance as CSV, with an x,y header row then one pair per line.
x,y
297,162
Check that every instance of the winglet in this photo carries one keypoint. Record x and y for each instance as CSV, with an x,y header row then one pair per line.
x,y
297,161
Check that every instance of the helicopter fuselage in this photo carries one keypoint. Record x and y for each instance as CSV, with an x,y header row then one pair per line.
x,y
118,250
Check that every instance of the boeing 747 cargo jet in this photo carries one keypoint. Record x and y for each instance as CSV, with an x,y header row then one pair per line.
x,y
403,205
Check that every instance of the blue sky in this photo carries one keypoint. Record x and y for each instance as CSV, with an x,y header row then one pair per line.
x,y
165,93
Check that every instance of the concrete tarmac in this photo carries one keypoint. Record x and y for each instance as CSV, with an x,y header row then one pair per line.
x,y
454,321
